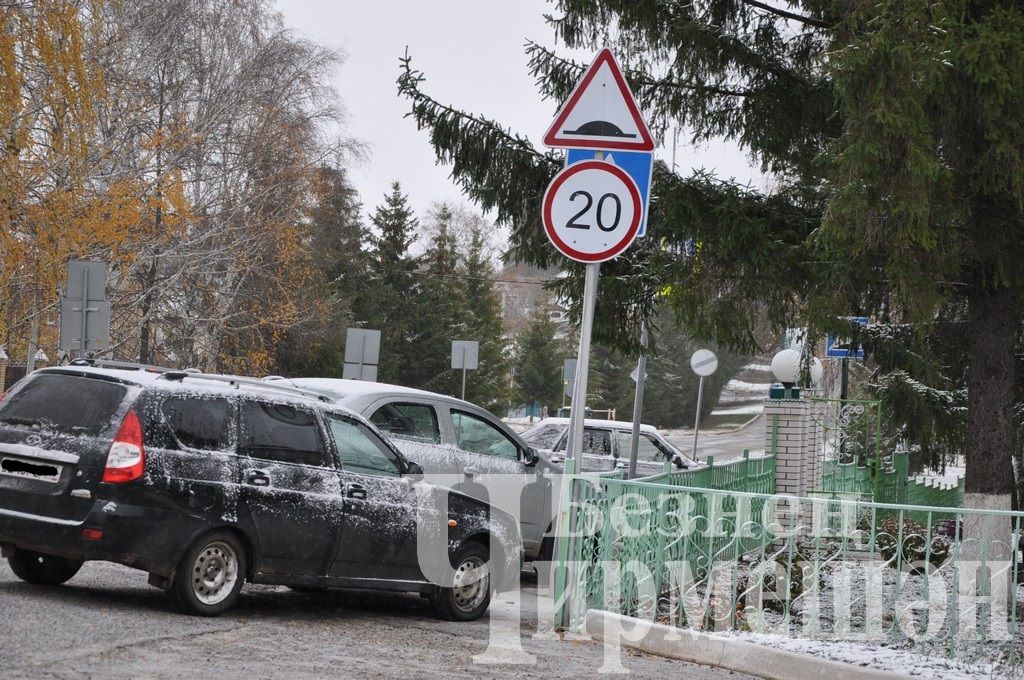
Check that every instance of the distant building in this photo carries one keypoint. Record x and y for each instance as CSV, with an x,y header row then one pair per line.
x,y
521,287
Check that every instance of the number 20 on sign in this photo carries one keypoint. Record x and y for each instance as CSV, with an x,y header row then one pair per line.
x,y
592,211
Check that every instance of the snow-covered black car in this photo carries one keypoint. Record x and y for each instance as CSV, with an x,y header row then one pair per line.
x,y
208,481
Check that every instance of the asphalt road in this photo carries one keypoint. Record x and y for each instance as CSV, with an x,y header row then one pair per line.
x,y
722,445
108,623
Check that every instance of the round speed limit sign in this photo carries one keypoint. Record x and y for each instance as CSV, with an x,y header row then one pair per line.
x,y
592,211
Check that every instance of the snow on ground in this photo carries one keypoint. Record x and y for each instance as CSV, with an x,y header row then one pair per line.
x,y
757,367
946,478
738,386
751,409
880,657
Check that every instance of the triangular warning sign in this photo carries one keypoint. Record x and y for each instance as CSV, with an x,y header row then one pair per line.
x,y
600,113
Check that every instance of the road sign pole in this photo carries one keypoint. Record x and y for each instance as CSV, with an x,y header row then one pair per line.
x,y
84,340
696,421
579,392
844,381
638,400
463,375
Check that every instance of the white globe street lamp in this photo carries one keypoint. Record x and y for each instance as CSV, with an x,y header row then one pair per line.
x,y
817,371
786,367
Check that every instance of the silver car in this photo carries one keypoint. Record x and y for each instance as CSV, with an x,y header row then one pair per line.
x,y
606,445
448,436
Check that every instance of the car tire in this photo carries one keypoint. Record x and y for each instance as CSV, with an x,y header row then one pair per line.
x,y
44,570
209,577
469,601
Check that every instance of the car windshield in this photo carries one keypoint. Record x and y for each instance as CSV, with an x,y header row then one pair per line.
x,y
545,436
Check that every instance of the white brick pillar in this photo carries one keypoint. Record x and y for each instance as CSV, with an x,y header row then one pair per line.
x,y
4,360
789,433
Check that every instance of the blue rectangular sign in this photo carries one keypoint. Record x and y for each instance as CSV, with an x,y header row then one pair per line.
x,y
841,348
637,164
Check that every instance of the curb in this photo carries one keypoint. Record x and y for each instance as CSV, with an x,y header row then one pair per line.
x,y
724,652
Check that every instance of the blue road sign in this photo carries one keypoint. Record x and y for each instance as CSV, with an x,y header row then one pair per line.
x,y
638,164
842,348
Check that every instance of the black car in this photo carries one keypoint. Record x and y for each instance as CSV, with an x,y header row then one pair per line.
x,y
207,481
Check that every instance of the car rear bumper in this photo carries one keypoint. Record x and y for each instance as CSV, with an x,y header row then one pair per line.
x,y
146,538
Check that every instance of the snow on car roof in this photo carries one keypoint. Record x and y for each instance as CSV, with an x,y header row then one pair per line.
x,y
597,422
343,389
198,385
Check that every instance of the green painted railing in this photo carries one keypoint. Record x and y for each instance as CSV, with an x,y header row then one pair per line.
x,y
823,568
753,474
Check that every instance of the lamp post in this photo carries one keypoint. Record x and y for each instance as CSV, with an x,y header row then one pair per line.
x,y
786,368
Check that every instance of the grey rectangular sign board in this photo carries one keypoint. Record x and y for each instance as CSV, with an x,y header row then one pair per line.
x,y
362,346
365,372
568,375
93,271
97,328
465,354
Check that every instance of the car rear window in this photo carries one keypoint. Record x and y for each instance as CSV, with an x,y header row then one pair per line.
x,y
64,403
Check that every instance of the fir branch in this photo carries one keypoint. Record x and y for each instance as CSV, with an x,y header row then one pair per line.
x,y
785,14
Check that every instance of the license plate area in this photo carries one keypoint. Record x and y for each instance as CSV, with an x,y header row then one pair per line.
x,y
27,469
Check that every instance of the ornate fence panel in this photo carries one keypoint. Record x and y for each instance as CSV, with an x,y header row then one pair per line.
x,y
755,474
847,436
938,580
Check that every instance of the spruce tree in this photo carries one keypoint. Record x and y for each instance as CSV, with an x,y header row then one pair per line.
x,y
893,131
440,309
388,301
338,242
538,362
489,386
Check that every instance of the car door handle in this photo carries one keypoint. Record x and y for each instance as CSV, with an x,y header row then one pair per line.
x,y
356,491
257,478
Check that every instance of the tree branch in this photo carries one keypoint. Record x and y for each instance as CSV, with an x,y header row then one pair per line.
x,y
785,14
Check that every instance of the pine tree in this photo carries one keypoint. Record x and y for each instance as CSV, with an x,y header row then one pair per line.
x,y
388,301
440,309
338,240
538,362
489,386
899,121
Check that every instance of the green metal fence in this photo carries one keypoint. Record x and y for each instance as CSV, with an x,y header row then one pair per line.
x,y
748,473
848,430
937,579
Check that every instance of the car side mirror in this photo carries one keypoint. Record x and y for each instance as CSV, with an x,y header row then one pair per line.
x,y
529,456
414,469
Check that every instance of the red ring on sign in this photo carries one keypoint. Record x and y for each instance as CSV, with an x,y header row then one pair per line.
x,y
549,199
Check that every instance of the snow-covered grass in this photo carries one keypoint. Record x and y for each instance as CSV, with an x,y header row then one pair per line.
x,y
751,409
881,657
757,367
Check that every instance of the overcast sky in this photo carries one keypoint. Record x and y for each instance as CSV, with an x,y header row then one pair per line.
x,y
471,52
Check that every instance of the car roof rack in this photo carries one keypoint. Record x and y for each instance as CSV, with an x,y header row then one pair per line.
x,y
238,381
124,365
176,375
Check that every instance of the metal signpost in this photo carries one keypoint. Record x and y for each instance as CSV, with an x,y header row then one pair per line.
x,y
85,310
568,375
845,349
704,363
592,210
640,377
465,356
362,354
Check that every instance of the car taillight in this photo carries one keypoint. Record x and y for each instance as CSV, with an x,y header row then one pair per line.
x,y
127,456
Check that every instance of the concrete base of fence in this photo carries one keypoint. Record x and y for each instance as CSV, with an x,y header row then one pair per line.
x,y
724,652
